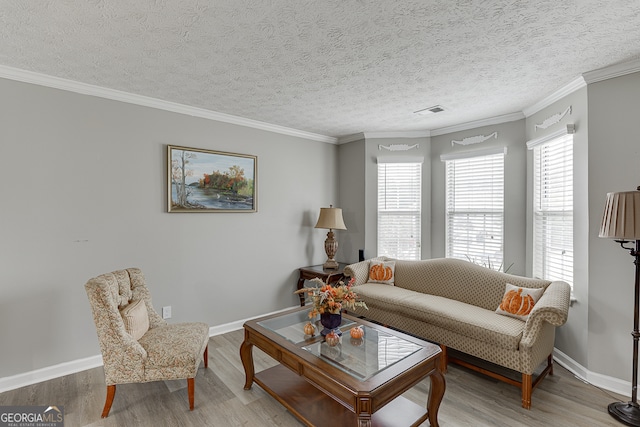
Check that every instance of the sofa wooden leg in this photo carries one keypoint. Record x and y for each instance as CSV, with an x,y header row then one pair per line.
x,y
444,359
206,357
191,382
550,364
526,391
111,392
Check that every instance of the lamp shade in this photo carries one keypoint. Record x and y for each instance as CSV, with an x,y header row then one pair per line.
x,y
621,218
331,218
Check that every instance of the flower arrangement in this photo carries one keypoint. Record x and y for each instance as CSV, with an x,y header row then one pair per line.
x,y
331,299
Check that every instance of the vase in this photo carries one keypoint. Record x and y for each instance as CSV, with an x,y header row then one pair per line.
x,y
331,321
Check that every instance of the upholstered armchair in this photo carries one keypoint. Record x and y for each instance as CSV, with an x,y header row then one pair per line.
x,y
137,344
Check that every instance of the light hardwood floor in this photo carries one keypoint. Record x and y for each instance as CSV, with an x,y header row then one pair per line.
x,y
471,399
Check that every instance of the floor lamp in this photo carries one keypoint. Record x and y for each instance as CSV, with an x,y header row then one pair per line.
x,y
621,221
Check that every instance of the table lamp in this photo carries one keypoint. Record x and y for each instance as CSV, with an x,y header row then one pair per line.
x,y
331,218
621,221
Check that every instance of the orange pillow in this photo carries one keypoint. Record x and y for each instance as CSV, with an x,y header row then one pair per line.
x,y
382,272
518,302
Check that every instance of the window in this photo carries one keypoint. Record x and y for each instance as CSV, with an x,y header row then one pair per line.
x,y
475,207
399,209
553,209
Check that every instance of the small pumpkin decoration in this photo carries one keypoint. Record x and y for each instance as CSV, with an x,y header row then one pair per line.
x,y
309,329
357,332
380,273
514,303
332,339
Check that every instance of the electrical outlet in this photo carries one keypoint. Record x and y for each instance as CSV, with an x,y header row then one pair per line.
x,y
166,312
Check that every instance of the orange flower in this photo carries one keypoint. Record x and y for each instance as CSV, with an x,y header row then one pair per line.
x,y
332,299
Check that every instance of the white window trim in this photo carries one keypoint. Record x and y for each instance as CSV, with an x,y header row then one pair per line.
x,y
569,129
400,159
395,212
531,145
474,153
469,155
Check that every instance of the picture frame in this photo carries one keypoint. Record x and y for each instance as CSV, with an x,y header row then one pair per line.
x,y
200,180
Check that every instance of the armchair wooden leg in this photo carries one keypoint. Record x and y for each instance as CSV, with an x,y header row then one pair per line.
x,y
526,390
206,357
550,363
111,392
191,382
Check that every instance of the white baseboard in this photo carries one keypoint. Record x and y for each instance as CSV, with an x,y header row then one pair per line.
x,y
74,366
234,326
601,381
49,373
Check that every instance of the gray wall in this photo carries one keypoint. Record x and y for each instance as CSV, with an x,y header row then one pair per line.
x,y
510,135
83,191
614,165
351,173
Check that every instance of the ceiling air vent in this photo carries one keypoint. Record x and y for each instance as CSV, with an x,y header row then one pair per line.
x,y
430,110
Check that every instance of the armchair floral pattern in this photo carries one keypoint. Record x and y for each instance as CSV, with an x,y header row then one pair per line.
x,y
164,352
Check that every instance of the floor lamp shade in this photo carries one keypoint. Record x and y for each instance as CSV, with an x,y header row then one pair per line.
x,y
621,221
621,218
331,218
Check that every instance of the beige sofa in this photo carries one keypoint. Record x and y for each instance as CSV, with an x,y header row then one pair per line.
x,y
453,303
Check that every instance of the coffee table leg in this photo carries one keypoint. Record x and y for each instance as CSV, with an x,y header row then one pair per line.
x,y
246,355
436,392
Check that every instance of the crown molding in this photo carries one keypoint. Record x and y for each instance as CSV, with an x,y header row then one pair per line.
x,y
577,83
145,101
350,138
406,134
479,123
381,135
612,71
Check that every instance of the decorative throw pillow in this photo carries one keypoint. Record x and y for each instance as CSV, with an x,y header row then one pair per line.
x,y
135,318
518,302
382,272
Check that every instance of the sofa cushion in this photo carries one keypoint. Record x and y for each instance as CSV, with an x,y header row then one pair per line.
x,y
462,318
135,318
518,302
382,272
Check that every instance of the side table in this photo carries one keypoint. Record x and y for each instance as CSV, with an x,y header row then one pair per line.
x,y
328,275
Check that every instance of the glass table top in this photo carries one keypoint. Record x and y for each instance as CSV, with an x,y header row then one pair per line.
x,y
291,326
361,358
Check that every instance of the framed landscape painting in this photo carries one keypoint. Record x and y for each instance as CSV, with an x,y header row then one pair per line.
x,y
210,181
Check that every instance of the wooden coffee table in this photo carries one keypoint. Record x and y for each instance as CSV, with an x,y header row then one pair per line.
x,y
356,383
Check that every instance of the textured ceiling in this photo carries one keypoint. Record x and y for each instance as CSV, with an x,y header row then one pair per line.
x,y
328,67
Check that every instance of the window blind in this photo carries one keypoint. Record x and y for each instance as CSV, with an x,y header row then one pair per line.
x,y
475,209
399,210
553,210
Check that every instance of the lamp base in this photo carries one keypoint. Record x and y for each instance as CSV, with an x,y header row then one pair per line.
x,y
331,264
627,413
